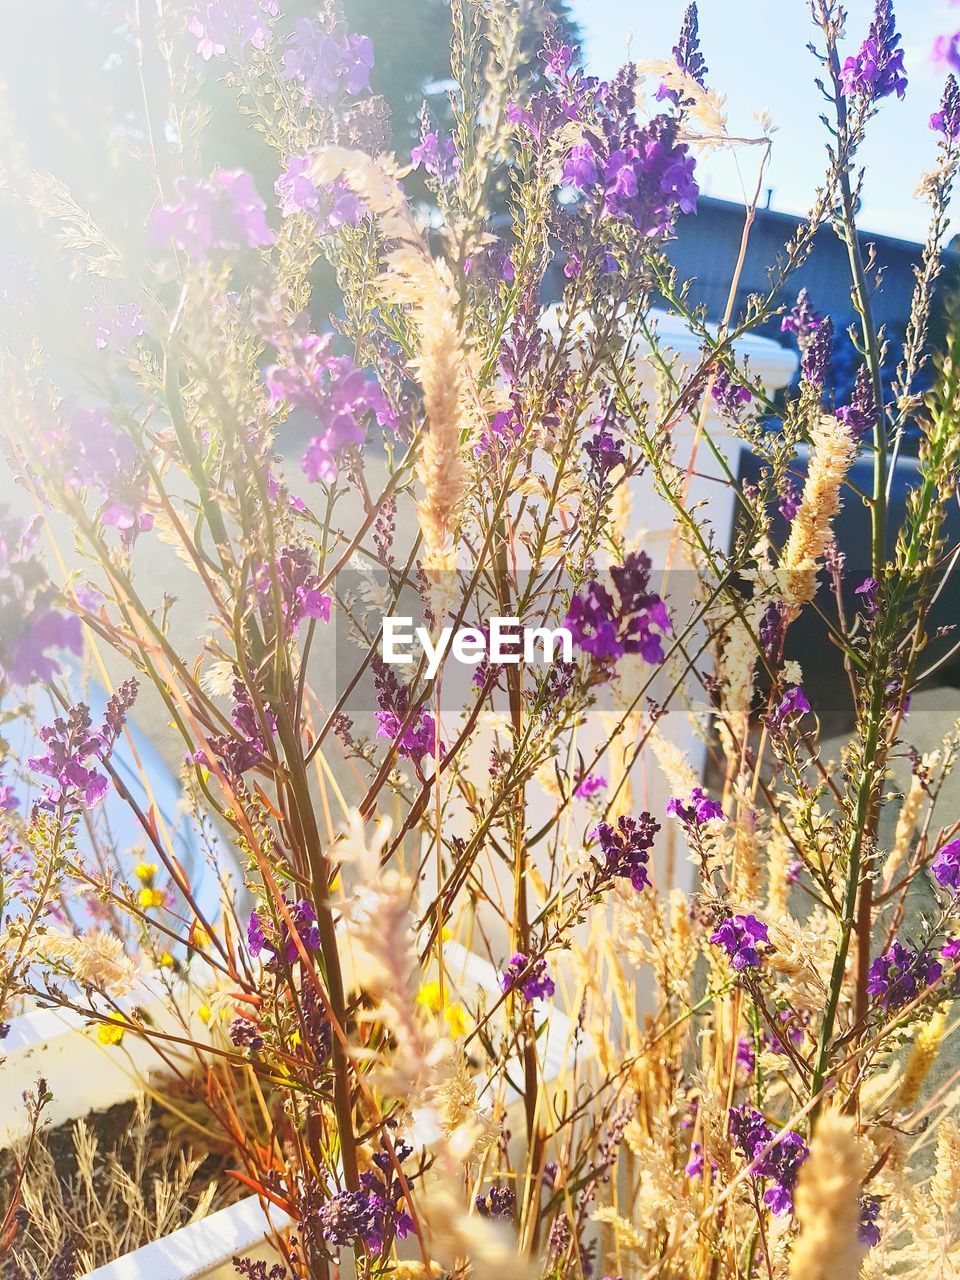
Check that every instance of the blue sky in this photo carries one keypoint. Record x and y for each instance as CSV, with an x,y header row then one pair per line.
x,y
756,52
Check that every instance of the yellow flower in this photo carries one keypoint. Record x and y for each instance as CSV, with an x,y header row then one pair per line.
x,y
111,1031
204,1014
145,872
429,996
458,1022
150,898
199,936
165,960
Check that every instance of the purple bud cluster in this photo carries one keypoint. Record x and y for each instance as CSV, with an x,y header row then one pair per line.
x,y
634,620
626,848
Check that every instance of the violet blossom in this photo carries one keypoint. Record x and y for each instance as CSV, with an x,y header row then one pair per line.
x,y
219,214
74,749
899,975
588,786
699,810
327,63
646,180
228,26
418,738
818,354
869,589
945,867
778,1163
730,396
29,626
331,389
276,940
947,119
687,55
792,706
437,154
626,848
293,576
499,1202
607,627
332,205
95,454
860,415
788,500
742,937
801,320
876,71
532,985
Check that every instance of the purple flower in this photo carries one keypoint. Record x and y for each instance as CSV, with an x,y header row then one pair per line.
x,y
687,54
802,320
293,575
741,936
330,388
499,1202
437,154
868,588
746,1056
533,984
326,63
74,750
900,974
219,214
817,354
730,396
789,498
860,415
626,848
877,70
589,785
29,626
646,180
869,1232
947,119
419,738
353,1218
946,867
771,632
699,810
228,26
792,706
780,1165
505,430
243,1034
277,940
605,452
94,454
607,628
332,205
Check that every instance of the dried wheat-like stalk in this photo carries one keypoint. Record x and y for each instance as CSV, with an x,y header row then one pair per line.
x,y
828,1204
833,450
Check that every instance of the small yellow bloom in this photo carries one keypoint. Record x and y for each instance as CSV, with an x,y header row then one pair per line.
x,y
204,1014
199,936
145,872
150,898
429,996
458,1022
111,1031
165,960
